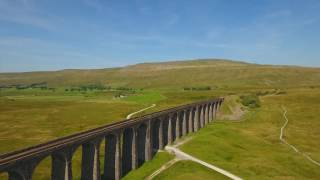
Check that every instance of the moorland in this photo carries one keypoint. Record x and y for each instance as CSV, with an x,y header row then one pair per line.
x,y
36,107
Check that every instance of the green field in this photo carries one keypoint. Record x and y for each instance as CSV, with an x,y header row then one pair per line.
x,y
251,148
248,147
183,170
149,167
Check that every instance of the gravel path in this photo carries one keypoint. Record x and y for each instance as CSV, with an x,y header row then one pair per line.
x,y
162,168
185,156
290,145
130,115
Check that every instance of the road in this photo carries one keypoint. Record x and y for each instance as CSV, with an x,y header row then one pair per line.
x,y
179,155
141,110
185,156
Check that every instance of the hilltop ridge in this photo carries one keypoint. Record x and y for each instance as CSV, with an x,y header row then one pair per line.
x,y
176,74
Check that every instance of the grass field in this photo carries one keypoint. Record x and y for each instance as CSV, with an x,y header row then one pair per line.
x,y
183,170
149,167
29,117
28,120
179,74
249,147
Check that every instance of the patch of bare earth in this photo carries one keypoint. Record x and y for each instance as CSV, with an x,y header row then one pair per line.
x,y
237,112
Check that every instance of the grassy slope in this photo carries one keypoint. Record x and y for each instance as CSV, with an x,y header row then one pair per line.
x,y
149,167
31,116
189,170
177,74
32,120
28,117
251,148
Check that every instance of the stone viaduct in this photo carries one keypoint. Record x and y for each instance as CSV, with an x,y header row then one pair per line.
x,y
128,144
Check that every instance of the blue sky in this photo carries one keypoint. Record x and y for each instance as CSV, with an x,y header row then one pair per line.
x,y
59,34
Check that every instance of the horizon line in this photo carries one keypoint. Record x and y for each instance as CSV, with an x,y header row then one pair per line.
x,y
161,61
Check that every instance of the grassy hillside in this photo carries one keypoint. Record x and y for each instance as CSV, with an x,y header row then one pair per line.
x,y
189,170
216,73
30,116
251,148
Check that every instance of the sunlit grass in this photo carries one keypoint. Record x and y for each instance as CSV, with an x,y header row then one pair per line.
x,y
250,148
183,170
149,167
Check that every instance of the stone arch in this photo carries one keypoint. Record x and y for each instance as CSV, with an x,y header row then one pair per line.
x,y
17,175
210,112
215,109
111,166
181,122
43,168
190,120
199,116
61,165
165,127
142,135
62,162
193,112
203,109
185,120
127,148
195,119
25,170
173,126
155,135
90,164
206,115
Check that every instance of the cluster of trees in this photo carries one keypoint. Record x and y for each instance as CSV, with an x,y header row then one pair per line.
x,y
81,88
41,85
125,89
89,87
98,87
204,88
251,100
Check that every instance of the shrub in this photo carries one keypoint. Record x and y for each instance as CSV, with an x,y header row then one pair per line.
x,y
281,92
204,88
251,101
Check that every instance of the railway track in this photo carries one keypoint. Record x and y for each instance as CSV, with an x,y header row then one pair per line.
x,y
45,149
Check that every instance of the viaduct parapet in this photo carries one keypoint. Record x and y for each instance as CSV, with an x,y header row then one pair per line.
x,y
128,144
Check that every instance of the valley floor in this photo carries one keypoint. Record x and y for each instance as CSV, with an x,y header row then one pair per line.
x,y
251,147
248,145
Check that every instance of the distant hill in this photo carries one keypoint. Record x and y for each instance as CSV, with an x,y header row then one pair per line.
x,y
176,74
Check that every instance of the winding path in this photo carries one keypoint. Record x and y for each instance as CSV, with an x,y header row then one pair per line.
x,y
162,168
179,155
131,114
182,155
290,145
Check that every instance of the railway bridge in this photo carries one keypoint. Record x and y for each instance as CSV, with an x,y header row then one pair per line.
x,y
128,144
